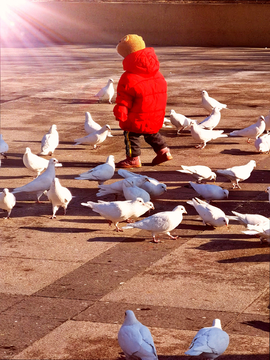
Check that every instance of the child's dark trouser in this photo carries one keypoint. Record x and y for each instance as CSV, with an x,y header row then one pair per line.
x,y
132,142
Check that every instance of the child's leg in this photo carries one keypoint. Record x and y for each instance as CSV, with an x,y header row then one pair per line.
x,y
133,151
159,146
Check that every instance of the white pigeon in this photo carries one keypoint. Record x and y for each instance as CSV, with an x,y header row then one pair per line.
x,y
199,172
36,163
117,186
90,125
59,196
50,141
7,201
151,185
181,122
132,192
204,136
117,211
161,223
135,339
209,342
3,146
41,183
211,121
238,173
249,219
267,122
166,123
210,192
268,191
262,230
251,132
107,92
100,173
262,143
211,215
209,103
95,138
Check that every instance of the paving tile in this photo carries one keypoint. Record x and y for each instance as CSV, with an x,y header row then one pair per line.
x,y
8,300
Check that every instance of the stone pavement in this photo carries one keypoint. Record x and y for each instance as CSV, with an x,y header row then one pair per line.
x,y
66,283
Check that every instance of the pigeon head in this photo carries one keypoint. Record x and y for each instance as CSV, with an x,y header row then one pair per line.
x,y
53,161
27,150
5,191
130,44
130,318
216,323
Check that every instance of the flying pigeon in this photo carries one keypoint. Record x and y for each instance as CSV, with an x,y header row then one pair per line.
x,y
209,103
59,196
199,172
117,186
135,339
36,163
107,92
100,173
50,141
3,146
262,143
160,223
181,122
90,125
210,192
132,192
211,121
249,219
7,201
211,215
204,135
251,132
41,183
262,230
151,185
95,138
117,211
238,173
209,342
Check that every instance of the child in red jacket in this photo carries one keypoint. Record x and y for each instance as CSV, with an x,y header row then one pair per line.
x,y
140,101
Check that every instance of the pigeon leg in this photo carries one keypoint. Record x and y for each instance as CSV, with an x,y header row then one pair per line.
x,y
130,221
117,228
155,240
172,237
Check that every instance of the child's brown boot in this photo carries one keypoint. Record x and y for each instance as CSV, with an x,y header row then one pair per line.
x,y
129,162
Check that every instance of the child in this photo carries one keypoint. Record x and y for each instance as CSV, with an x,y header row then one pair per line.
x,y
141,101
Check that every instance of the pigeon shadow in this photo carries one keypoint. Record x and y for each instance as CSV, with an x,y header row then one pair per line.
x,y
258,258
58,229
239,152
258,324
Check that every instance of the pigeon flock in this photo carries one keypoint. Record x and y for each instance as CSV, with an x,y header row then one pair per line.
x,y
140,193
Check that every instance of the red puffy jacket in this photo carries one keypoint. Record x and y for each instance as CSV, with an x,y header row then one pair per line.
x,y
141,94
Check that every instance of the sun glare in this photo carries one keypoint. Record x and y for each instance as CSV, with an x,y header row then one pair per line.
x,y
6,6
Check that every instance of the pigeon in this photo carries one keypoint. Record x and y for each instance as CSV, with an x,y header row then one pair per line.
x,y
181,122
50,141
59,196
100,173
135,339
151,185
199,172
36,163
7,201
160,223
95,138
267,122
3,146
262,143
209,342
209,103
251,132
212,120
166,123
117,186
249,219
204,135
262,230
91,126
238,173
211,215
117,211
210,192
132,192
41,183
268,191
107,92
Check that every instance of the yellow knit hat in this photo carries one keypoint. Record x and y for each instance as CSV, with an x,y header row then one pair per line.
x,y
129,44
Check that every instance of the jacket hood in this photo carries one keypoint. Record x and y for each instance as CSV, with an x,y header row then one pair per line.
x,y
144,61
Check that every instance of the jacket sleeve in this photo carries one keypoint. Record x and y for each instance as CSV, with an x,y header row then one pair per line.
x,y
124,99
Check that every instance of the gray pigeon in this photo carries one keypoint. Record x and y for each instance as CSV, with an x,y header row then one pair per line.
x,y
50,141
210,192
238,173
59,196
161,223
41,183
7,201
209,103
209,342
107,92
135,339
95,138
251,132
